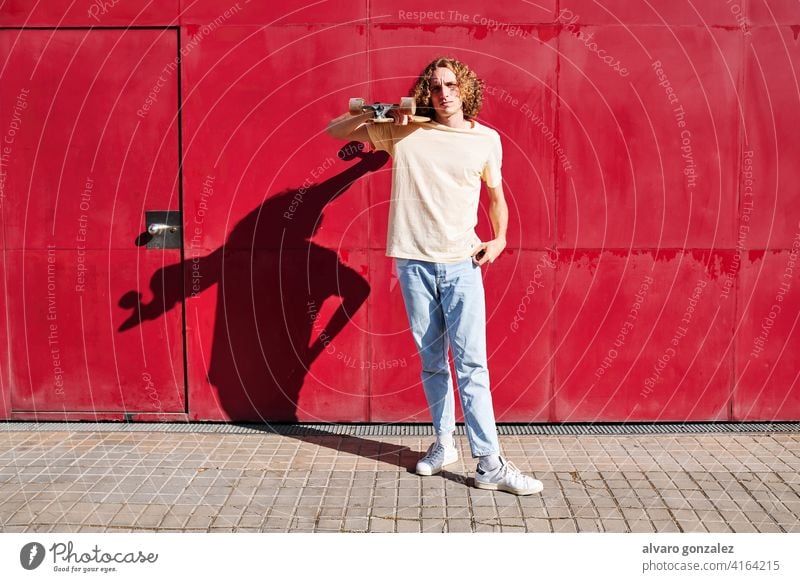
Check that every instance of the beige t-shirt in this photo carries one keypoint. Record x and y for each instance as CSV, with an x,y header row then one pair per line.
x,y
436,183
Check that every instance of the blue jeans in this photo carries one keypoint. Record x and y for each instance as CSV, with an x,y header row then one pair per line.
x,y
446,308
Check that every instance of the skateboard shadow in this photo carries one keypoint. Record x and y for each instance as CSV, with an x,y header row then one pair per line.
x,y
269,272
271,277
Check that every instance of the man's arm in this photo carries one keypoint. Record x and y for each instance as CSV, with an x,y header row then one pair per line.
x,y
350,127
498,213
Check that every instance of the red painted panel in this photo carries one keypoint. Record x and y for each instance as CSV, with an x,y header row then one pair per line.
x,y
642,336
396,393
89,12
82,149
260,174
768,190
5,352
663,12
768,336
272,13
270,283
256,103
641,175
203,300
82,168
272,333
69,351
772,12
519,102
468,13
519,307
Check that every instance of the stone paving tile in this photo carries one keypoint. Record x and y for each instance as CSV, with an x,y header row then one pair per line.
x,y
433,526
536,525
459,525
666,526
356,524
564,526
381,525
73,481
331,525
409,526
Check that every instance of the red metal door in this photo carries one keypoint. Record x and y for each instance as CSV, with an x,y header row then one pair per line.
x,y
91,143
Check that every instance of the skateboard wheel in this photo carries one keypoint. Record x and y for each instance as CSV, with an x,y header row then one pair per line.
x,y
356,106
407,106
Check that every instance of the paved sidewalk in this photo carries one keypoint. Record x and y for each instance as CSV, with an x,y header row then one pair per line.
x,y
126,481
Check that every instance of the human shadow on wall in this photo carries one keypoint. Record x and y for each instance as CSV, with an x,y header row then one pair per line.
x,y
272,281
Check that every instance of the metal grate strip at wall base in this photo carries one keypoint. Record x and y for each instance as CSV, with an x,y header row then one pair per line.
x,y
395,430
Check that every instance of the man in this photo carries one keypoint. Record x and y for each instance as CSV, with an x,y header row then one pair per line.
x,y
437,168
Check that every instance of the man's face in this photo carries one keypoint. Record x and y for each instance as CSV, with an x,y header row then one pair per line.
x,y
445,95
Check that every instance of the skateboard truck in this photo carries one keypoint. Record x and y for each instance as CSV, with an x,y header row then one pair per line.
x,y
380,111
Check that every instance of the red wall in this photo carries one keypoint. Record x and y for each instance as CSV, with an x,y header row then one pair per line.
x,y
650,167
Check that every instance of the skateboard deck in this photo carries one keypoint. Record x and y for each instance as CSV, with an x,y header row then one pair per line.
x,y
380,111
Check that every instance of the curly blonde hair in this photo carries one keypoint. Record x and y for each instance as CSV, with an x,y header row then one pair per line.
x,y
469,85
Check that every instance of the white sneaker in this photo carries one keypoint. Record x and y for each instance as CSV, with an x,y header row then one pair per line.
x,y
437,457
507,478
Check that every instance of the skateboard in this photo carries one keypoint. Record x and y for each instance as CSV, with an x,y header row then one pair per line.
x,y
380,110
